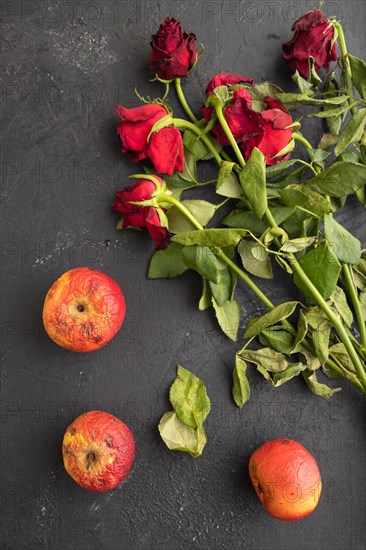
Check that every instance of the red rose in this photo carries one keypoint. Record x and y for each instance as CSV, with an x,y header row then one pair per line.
x,y
165,147
276,134
310,40
243,122
173,50
227,79
142,216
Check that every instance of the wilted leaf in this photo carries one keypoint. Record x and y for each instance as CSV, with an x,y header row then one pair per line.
x,y
206,297
267,358
339,300
352,133
339,179
227,181
281,377
321,344
189,398
179,437
302,329
253,182
255,259
322,268
167,263
203,260
297,245
279,313
211,237
279,340
345,246
318,388
201,210
228,317
241,388
358,68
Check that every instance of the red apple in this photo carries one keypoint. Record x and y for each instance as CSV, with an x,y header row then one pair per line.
x,y
98,451
83,309
286,478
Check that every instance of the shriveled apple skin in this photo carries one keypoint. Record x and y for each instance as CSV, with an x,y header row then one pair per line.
x,y
286,478
83,309
98,451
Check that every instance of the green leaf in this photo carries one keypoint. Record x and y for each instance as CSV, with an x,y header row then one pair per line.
x,y
300,195
344,245
203,260
279,340
328,140
340,353
297,245
322,268
260,91
352,132
339,300
179,437
280,378
223,290
321,344
189,398
333,112
255,259
316,387
339,179
166,120
241,388
227,182
195,145
277,169
228,317
168,263
316,318
206,297
294,100
305,87
211,237
222,93
203,211
253,182
302,329
245,220
318,156
358,68
267,358
279,313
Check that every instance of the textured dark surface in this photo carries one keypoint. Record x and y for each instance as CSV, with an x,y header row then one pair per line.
x,y
64,66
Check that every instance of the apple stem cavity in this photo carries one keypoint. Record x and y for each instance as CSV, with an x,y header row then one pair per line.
x,y
90,458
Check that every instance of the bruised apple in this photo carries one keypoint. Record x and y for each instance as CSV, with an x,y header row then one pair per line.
x,y
83,309
286,478
98,451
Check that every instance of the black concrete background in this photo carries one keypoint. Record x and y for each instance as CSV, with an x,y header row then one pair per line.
x,y
64,67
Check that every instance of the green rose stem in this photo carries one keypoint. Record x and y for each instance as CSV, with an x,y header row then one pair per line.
x,y
295,266
161,199
183,101
348,77
185,125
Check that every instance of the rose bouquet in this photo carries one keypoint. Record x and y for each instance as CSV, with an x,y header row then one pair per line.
x,y
282,205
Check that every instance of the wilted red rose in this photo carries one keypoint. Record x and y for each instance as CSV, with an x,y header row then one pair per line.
x,y
243,122
165,147
276,133
311,39
142,216
173,50
227,79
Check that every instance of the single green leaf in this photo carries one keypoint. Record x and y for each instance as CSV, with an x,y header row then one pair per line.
x,y
279,340
294,100
267,358
334,122
361,195
292,370
302,329
339,300
359,274
211,237
339,179
195,145
253,182
344,245
245,220
302,196
316,318
206,297
352,132
279,313
168,263
277,169
322,268
177,436
297,245
340,353
321,344
223,290
255,259
358,69
305,87
227,182
189,398
318,156
260,91
228,317
241,387
203,211
203,260
328,140
333,112
316,387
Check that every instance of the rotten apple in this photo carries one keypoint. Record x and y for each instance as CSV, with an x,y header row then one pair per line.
x,y
83,309
98,451
286,479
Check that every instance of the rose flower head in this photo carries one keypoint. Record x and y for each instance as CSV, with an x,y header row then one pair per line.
x,y
173,50
164,148
313,38
138,216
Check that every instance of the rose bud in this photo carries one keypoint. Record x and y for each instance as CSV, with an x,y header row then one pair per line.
x,y
135,215
164,148
243,122
173,50
313,38
227,79
276,136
